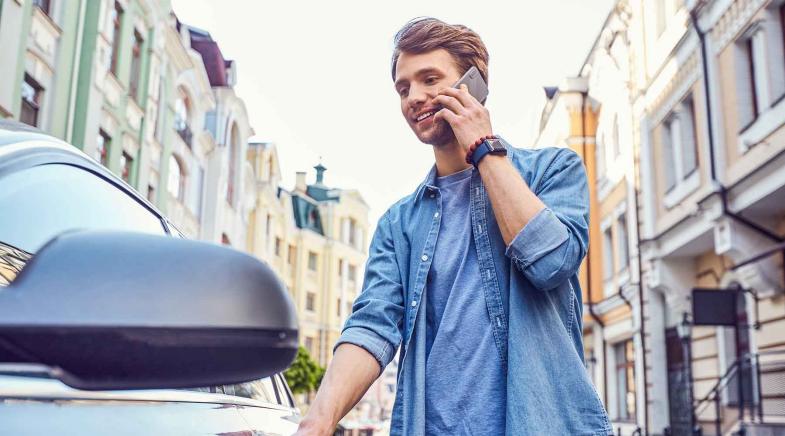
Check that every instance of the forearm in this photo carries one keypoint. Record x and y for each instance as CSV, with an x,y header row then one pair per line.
x,y
514,204
351,372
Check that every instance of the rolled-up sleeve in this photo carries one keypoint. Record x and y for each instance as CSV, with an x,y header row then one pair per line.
x,y
551,246
377,314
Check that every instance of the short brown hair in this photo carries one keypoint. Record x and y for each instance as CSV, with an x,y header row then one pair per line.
x,y
422,35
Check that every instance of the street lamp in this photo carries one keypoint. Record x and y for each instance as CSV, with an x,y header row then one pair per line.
x,y
684,330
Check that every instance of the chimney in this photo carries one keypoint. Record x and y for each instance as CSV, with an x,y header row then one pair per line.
x,y
300,185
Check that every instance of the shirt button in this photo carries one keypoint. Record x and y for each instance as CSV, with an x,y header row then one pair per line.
x,y
436,215
424,257
414,303
433,195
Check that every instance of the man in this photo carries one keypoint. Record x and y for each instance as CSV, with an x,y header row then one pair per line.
x,y
474,275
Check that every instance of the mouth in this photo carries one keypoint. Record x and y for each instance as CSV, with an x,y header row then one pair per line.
x,y
424,116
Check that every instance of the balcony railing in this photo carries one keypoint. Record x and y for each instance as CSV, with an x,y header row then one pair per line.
x,y
752,391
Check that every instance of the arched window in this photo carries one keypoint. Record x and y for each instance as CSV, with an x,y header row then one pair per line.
x,y
177,177
182,109
234,142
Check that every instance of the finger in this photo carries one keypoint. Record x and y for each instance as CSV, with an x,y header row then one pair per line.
x,y
451,103
445,114
462,94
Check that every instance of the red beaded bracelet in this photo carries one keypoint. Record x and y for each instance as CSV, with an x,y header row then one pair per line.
x,y
474,146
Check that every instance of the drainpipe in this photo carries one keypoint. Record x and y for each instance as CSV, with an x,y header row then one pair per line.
x,y
584,98
720,189
636,172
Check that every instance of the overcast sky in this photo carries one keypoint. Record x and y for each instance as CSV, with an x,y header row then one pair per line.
x,y
315,77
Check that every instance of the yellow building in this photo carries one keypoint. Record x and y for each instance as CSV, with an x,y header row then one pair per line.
x,y
315,237
679,114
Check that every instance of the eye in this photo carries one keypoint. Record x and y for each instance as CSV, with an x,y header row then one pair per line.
x,y
403,92
431,80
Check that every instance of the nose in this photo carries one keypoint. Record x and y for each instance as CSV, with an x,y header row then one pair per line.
x,y
417,96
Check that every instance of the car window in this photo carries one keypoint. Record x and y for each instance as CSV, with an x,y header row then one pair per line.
x,y
41,202
261,390
283,391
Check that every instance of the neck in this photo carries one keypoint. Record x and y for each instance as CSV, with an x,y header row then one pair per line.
x,y
450,158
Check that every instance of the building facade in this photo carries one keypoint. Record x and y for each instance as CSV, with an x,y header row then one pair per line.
x,y
316,238
149,97
678,114
153,99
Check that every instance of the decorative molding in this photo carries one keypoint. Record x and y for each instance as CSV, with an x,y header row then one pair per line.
x,y
732,21
677,87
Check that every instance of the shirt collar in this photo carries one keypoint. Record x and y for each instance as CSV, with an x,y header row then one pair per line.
x,y
428,184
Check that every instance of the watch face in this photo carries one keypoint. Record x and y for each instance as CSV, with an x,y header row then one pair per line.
x,y
496,146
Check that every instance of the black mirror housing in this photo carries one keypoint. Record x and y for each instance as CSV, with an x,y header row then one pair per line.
x,y
117,310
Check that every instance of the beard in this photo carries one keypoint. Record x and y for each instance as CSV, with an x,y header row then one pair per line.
x,y
440,134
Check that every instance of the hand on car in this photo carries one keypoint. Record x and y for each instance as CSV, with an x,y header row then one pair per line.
x,y
469,119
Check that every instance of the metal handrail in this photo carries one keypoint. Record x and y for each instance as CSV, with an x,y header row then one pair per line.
x,y
755,403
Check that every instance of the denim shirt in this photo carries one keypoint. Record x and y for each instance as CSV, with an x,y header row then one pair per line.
x,y
531,289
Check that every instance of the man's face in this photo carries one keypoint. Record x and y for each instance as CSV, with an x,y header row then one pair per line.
x,y
418,79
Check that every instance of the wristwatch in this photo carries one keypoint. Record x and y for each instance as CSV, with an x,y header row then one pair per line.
x,y
494,145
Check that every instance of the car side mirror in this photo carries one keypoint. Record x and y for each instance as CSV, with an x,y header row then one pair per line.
x,y
117,310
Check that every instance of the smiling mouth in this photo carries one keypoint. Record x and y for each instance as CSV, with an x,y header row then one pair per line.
x,y
424,116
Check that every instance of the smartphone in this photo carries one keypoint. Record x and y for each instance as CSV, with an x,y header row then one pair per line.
x,y
477,86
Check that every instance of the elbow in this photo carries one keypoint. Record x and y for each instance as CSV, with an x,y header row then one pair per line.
x,y
553,269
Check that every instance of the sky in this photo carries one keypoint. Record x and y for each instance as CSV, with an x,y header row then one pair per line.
x,y
315,77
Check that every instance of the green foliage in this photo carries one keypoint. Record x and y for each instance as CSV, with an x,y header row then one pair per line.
x,y
305,375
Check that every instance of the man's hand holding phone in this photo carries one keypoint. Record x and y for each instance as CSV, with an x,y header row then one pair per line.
x,y
465,113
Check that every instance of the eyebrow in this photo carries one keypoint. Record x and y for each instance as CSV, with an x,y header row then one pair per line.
x,y
423,72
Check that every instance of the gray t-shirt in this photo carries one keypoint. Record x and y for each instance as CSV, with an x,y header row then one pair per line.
x,y
462,356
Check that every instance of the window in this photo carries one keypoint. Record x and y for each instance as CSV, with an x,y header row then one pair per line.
x,y
338,308
117,19
625,380
340,268
352,273
195,199
176,182
44,5
679,144
312,260
352,232
151,193
665,9
260,390
752,81
599,156
268,228
616,145
309,345
607,254
126,166
621,239
782,24
182,108
310,301
225,240
103,143
292,254
159,116
136,65
41,202
31,101
234,141
278,247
